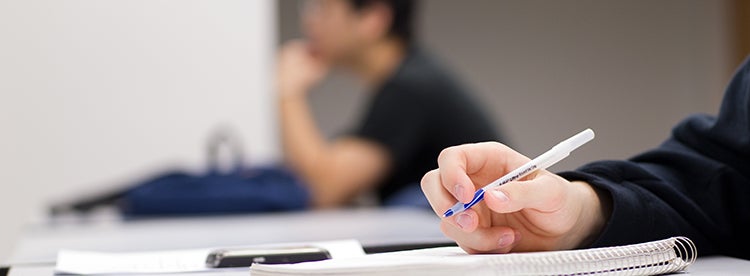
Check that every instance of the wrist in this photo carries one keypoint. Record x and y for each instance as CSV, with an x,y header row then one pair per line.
x,y
593,216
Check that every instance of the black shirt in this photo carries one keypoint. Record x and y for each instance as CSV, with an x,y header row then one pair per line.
x,y
696,184
415,114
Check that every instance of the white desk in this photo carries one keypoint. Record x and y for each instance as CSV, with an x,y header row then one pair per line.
x,y
41,242
370,226
703,266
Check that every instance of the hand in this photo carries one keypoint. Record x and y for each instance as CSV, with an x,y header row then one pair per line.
x,y
542,211
298,70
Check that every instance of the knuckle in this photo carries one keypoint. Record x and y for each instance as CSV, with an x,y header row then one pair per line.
x,y
497,145
447,153
429,177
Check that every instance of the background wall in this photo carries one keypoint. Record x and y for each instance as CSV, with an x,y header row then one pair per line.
x,y
630,70
94,93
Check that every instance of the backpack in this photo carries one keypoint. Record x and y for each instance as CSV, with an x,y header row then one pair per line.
x,y
241,189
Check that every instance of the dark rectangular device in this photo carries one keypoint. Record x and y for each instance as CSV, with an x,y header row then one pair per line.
x,y
245,257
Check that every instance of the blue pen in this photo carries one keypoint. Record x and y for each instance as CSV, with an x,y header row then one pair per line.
x,y
547,159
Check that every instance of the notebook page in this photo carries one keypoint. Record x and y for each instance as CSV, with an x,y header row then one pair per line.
x,y
640,259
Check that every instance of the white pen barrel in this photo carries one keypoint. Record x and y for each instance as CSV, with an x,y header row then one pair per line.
x,y
577,140
564,148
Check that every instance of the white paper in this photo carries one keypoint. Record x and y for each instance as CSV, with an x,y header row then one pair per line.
x,y
87,262
178,261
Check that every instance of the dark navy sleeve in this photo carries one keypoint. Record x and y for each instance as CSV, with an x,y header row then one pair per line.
x,y
696,184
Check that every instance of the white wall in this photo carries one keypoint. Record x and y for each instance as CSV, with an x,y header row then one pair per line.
x,y
548,69
95,92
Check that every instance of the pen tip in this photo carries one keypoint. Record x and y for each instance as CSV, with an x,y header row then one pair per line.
x,y
448,213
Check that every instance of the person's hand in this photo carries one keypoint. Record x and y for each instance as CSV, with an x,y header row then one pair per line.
x,y
298,69
542,211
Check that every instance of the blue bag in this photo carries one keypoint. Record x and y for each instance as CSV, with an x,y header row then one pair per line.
x,y
238,190
262,189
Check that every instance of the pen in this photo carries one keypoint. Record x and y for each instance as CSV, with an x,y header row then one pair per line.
x,y
547,159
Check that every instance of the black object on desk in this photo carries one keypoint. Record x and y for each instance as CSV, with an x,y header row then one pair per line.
x,y
4,271
383,248
247,256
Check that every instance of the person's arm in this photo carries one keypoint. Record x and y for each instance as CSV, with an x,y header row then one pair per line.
x,y
335,171
696,184
671,191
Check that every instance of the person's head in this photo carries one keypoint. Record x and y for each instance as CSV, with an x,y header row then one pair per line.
x,y
338,30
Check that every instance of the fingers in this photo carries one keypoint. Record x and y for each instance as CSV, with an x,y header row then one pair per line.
x,y
440,199
467,167
298,69
463,166
454,177
545,192
496,239
302,51
547,202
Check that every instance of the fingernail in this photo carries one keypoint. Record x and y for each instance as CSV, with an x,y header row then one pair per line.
x,y
500,195
459,191
505,240
463,220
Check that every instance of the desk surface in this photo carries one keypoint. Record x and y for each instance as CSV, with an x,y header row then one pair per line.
x,y
703,266
41,242
371,226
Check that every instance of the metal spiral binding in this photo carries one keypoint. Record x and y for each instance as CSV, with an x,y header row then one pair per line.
x,y
685,250
651,258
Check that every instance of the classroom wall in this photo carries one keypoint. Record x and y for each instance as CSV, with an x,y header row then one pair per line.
x,y
95,93
630,70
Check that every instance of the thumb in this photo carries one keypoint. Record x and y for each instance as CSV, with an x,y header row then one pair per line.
x,y
546,192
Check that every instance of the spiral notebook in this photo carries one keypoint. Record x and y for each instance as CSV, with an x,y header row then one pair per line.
x,y
650,258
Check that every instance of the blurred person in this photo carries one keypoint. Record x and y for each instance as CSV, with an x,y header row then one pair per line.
x,y
416,108
696,184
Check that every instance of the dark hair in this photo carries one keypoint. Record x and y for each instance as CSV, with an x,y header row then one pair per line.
x,y
402,25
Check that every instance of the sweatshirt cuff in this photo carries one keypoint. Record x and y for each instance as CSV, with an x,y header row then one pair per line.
x,y
626,215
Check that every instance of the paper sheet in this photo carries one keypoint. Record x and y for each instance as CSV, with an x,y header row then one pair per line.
x,y
89,262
